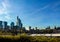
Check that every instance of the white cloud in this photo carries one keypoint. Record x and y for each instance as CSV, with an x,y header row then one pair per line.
x,y
4,12
38,10
7,17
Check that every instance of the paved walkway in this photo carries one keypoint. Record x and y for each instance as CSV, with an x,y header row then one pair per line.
x,y
45,35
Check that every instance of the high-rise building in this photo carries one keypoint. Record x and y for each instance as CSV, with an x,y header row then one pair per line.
x,y
36,28
12,25
5,25
29,27
18,23
1,25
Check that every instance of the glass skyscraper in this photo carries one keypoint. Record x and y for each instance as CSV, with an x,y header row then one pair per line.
x,y
1,24
5,25
12,25
18,23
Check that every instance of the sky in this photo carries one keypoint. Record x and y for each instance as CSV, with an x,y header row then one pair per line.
x,y
35,13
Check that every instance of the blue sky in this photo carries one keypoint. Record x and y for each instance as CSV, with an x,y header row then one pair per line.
x,y
40,13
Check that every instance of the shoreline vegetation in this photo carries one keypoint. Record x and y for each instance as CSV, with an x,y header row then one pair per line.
x,y
24,38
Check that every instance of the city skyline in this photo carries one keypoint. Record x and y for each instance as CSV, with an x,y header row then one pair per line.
x,y
4,25
35,13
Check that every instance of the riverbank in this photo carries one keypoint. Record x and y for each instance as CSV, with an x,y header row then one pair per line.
x,y
25,38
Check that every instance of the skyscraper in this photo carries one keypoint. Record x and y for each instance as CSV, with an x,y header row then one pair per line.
x,y
29,27
1,25
5,25
12,25
18,23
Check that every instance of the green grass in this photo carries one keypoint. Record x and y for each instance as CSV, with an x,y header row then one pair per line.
x,y
24,38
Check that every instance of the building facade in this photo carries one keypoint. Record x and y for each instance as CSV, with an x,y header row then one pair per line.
x,y
12,25
5,25
19,23
1,25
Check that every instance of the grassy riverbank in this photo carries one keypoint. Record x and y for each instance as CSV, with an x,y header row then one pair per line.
x,y
24,38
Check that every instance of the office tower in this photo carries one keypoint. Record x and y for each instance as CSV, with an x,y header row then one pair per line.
x,y
29,27
18,23
5,25
36,28
12,25
1,25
